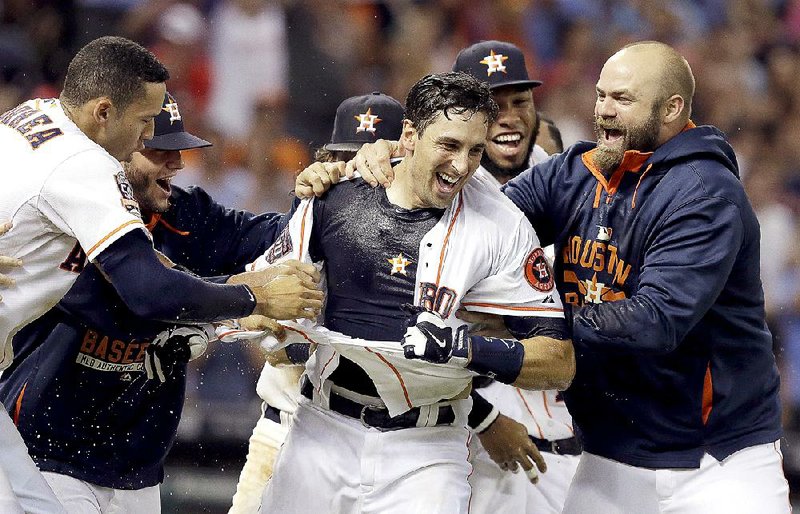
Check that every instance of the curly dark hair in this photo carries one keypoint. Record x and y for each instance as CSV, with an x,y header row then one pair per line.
x,y
453,92
114,67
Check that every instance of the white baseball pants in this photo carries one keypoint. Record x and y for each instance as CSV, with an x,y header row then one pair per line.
x,y
332,463
80,497
22,486
750,481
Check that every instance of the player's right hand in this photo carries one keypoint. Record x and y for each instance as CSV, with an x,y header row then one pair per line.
x,y
373,162
429,338
507,443
7,262
316,179
288,290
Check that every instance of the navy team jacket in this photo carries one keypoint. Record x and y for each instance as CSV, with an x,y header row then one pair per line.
x,y
660,263
77,389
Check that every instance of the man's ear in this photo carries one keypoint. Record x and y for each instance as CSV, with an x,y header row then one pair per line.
x,y
103,110
408,137
673,108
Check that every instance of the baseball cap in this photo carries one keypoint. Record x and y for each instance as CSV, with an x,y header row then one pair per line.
x,y
169,133
496,63
365,119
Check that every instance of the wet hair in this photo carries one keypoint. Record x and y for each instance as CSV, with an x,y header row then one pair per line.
x,y
324,155
448,93
114,67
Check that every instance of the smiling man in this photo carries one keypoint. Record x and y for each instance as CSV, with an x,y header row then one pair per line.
x,y
433,239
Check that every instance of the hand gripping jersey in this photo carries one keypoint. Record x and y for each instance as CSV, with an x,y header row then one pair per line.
x,y
77,389
59,188
660,263
481,254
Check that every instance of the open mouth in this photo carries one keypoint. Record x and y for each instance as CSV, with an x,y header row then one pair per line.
x,y
164,184
447,184
508,140
612,135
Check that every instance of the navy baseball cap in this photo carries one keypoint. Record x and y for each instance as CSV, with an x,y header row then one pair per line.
x,y
169,133
365,119
496,63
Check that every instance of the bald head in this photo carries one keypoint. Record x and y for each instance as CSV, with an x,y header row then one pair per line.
x,y
667,67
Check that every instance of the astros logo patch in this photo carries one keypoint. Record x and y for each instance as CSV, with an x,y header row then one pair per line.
x,y
538,272
125,189
494,63
367,121
399,264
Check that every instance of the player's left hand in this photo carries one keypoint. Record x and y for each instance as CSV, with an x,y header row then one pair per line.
x,y
507,443
316,179
172,348
429,338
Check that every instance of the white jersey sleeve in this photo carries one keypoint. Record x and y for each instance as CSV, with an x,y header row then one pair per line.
x,y
89,197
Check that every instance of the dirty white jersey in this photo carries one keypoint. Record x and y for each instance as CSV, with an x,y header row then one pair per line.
x,y
482,255
63,193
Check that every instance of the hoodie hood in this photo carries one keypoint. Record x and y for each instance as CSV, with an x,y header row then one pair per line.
x,y
698,143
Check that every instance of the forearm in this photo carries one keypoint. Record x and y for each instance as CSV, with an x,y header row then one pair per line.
x,y
152,291
547,364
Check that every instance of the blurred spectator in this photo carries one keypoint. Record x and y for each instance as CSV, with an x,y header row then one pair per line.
x,y
249,57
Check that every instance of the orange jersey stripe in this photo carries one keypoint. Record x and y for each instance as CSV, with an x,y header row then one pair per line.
x,y
446,237
513,308
303,230
528,407
110,234
397,374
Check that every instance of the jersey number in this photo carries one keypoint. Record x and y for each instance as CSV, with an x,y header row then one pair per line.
x,y
439,299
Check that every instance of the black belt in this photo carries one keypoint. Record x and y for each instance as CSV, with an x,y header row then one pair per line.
x,y
378,417
569,446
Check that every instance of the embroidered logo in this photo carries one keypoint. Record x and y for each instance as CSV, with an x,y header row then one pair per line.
x,y
603,233
128,200
367,121
537,271
494,63
399,264
172,109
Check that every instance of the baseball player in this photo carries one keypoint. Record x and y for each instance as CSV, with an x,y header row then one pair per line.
x,y
389,431
511,147
79,391
676,392
359,119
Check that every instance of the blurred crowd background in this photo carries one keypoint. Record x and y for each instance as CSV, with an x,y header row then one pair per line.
x,y
262,80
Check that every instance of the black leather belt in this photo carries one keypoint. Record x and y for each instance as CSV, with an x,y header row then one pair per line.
x,y
378,417
569,446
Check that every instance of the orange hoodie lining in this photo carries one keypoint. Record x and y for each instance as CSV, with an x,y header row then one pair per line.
x,y
18,404
708,394
155,219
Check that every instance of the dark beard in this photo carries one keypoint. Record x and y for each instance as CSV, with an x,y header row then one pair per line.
x,y
503,175
642,138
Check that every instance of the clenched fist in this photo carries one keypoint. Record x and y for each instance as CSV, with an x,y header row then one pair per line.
x,y
288,290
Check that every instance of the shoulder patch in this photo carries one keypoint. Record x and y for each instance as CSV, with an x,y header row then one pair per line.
x,y
125,189
538,272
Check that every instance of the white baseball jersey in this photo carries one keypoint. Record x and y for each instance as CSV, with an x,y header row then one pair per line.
x,y
482,255
59,188
544,413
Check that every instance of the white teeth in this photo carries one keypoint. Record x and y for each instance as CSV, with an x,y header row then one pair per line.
x,y
449,180
508,138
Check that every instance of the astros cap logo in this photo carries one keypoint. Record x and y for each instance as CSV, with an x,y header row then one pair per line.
x,y
172,109
494,63
367,121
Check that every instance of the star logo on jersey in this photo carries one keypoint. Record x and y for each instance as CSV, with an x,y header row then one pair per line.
x,y
494,63
172,109
367,121
597,292
399,264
